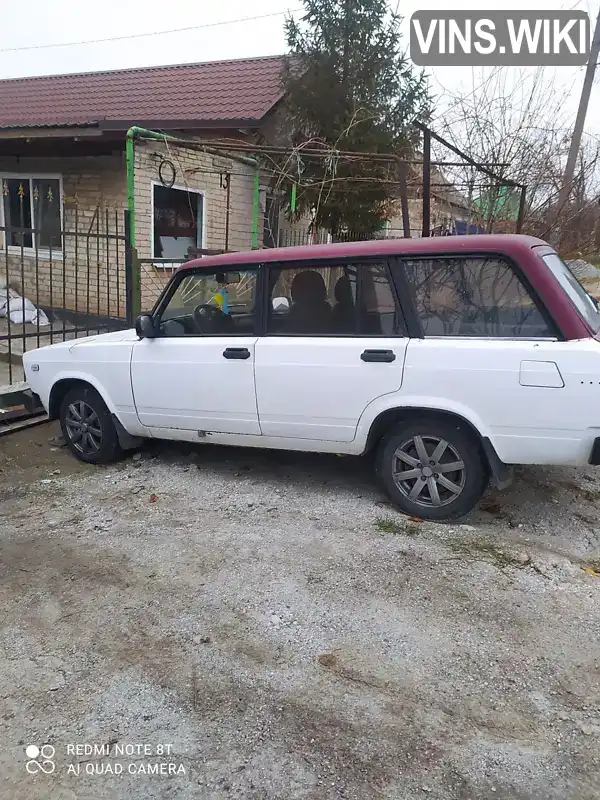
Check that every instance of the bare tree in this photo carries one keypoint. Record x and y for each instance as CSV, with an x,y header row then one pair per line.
x,y
519,121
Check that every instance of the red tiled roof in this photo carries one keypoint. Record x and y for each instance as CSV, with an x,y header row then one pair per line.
x,y
243,89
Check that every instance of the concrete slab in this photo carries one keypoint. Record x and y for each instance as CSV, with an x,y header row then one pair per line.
x,y
8,377
16,385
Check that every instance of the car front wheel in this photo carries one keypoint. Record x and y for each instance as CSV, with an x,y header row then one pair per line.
x,y
432,468
87,426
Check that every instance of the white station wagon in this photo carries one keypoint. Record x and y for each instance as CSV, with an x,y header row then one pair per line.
x,y
452,357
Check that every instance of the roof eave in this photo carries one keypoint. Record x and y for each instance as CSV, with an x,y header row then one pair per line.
x,y
179,124
56,131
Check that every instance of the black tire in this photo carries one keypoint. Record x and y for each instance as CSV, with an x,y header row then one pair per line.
x,y
91,447
436,497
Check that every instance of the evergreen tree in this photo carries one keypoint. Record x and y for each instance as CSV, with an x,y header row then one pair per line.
x,y
348,86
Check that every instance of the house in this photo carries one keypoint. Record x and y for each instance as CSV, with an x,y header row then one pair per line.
x,y
63,176
450,211
67,177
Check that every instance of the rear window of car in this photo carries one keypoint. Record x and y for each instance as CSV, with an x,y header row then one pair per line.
x,y
578,294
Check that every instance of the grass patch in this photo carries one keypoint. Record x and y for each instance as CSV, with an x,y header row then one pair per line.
x,y
388,525
484,550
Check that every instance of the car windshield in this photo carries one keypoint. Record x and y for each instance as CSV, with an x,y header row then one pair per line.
x,y
578,294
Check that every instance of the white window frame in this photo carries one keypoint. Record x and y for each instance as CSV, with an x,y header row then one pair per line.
x,y
189,190
42,252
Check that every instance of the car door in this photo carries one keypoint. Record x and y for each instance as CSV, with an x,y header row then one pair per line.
x,y
339,346
486,348
198,373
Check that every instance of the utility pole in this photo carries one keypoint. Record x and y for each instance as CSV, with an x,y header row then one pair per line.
x,y
567,182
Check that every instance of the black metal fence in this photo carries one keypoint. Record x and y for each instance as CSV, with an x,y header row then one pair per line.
x,y
63,275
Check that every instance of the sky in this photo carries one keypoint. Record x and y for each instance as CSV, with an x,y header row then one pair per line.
x,y
37,24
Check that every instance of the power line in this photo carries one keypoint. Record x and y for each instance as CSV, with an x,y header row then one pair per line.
x,y
144,35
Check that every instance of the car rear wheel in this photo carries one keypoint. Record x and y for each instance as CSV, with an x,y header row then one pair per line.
x,y
87,426
432,468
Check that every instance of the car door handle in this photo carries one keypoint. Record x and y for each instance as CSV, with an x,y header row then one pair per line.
x,y
378,355
236,352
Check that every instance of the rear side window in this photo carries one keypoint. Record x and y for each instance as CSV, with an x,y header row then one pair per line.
x,y
473,296
332,300
583,302
379,315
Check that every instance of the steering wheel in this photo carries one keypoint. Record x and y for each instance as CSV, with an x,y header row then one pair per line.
x,y
207,318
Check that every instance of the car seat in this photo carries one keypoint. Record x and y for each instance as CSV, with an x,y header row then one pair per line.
x,y
310,312
343,315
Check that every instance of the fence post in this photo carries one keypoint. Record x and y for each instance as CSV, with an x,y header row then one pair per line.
x,y
255,207
402,172
426,182
132,276
228,212
521,215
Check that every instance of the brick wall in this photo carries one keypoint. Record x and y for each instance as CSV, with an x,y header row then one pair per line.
x,y
89,275
201,172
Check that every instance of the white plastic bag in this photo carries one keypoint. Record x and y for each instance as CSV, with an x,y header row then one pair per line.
x,y
20,309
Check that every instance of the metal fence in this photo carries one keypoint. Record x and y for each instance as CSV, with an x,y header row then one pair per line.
x,y
65,276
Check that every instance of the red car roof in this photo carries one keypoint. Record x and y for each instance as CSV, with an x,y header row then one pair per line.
x,y
518,248
511,244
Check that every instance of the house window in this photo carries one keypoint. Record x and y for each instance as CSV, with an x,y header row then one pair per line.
x,y
178,222
31,212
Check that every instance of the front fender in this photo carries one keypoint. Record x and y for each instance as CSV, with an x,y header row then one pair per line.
x,y
85,377
119,400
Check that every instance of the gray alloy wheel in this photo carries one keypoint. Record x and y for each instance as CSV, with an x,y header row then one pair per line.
x,y
432,466
87,426
83,428
429,471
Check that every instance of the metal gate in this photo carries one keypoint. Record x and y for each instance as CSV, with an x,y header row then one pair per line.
x,y
63,275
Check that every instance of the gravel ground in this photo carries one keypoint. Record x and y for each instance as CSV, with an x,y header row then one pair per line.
x,y
582,269
271,618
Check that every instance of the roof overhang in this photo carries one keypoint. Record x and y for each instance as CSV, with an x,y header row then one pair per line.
x,y
108,127
178,124
50,132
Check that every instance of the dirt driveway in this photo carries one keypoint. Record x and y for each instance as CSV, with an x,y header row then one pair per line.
x,y
263,625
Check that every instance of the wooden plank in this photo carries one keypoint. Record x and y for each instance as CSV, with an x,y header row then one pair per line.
x,y
20,424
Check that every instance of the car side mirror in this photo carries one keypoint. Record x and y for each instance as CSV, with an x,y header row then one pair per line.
x,y
281,304
144,327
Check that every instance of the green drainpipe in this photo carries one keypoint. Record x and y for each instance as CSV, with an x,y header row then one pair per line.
x,y
131,135
129,171
136,277
134,132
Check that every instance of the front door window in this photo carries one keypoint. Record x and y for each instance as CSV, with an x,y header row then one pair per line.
x,y
211,304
